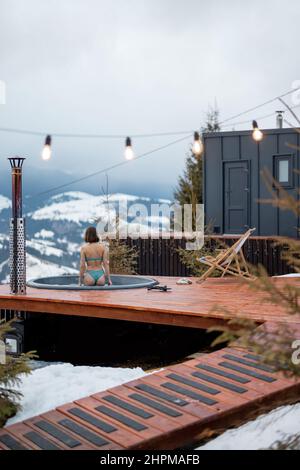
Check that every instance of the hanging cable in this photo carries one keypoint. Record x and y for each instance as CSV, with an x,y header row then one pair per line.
x,y
139,135
112,167
145,135
250,110
290,110
143,155
260,118
91,136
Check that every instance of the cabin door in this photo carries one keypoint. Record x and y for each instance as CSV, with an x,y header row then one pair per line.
x,y
236,196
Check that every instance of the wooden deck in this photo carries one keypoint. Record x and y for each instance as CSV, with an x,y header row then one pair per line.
x,y
189,305
165,410
176,406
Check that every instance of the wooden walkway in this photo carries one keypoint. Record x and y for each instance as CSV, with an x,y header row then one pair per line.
x,y
176,406
165,410
188,305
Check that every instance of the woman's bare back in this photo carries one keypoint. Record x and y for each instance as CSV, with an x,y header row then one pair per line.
x,y
93,254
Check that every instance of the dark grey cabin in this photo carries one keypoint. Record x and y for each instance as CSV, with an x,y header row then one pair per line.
x,y
234,184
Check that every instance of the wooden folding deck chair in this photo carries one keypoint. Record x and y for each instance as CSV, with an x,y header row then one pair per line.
x,y
229,261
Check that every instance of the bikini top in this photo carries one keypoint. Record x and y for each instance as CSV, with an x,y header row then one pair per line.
x,y
100,258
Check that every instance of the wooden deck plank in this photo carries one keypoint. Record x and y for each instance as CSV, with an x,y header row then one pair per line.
x,y
119,418
223,393
61,437
189,305
250,393
215,359
158,405
120,396
153,416
197,404
117,434
9,441
279,378
35,440
88,439
169,408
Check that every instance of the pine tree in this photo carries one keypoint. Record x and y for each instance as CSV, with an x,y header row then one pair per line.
x,y
189,188
10,377
122,257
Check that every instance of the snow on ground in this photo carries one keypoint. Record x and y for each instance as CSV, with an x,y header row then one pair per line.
x,y
80,207
51,386
44,247
124,197
69,195
76,207
70,247
2,265
3,238
289,275
261,433
36,267
44,234
5,203
164,201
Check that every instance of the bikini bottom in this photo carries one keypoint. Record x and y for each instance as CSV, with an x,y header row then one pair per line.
x,y
96,274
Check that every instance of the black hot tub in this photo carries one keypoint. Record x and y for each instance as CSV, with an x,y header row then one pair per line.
x,y
70,282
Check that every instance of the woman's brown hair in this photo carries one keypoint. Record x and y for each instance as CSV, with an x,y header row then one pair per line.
x,y
91,235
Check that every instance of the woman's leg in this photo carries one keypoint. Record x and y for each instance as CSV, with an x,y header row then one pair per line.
x,y
88,280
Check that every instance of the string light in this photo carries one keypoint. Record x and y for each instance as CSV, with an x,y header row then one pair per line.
x,y
46,152
129,155
113,167
257,134
197,148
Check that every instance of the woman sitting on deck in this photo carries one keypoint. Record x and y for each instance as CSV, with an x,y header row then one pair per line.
x,y
94,262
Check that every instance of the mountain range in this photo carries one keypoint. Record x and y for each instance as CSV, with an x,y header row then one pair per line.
x,y
55,228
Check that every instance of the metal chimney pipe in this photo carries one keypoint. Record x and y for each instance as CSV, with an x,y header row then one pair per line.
x,y
17,250
279,119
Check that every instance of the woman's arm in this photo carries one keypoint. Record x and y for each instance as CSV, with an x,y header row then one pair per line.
x,y
106,265
81,267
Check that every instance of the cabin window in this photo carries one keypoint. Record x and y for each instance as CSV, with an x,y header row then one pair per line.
x,y
283,170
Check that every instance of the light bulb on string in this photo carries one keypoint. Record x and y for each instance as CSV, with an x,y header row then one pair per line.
x,y
46,152
129,155
197,148
257,134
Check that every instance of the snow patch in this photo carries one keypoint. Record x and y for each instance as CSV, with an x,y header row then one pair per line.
x,y
124,197
3,238
164,201
71,247
44,234
289,275
81,210
2,265
261,433
80,207
5,203
36,267
44,247
68,195
48,387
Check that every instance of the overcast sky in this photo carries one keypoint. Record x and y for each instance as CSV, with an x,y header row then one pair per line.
x,y
137,66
